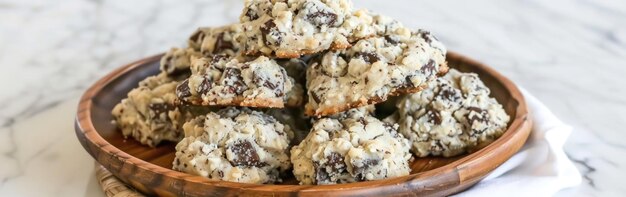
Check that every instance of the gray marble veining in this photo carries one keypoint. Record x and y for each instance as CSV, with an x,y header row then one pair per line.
x,y
568,53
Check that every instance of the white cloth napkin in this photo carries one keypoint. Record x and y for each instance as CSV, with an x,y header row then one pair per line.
x,y
540,168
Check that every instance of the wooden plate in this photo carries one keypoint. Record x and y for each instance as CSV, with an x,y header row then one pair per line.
x,y
149,169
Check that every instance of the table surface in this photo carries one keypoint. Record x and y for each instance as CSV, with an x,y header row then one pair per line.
x,y
567,53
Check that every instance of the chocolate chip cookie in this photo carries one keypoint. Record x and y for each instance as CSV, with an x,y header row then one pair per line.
x,y
453,116
205,41
365,24
224,40
150,114
224,81
238,145
353,147
288,29
176,62
372,70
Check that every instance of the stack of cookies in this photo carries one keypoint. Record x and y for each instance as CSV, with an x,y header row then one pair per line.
x,y
294,87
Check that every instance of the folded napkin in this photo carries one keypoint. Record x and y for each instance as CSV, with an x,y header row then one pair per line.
x,y
540,168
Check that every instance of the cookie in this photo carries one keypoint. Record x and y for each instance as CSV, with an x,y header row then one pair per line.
x,y
372,70
365,24
224,40
351,148
223,81
176,62
238,145
150,114
205,41
453,116
288,29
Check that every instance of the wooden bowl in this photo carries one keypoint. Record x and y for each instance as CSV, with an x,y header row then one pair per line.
x,y
149,169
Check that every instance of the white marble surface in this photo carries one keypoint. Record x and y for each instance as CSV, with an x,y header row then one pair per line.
x,y
570,54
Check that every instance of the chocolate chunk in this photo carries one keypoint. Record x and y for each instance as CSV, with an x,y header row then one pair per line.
x,y
277,86
245,66
360,171
434,117
182,90
369,57
321,17
161,108
449,94
476,114
335,162
219,57
198,34
267,28
320,174
316,97
205,85
217,61
334,165
232,78
408,83
271,35
392,40
245,155
197,37
429,68
221,44
251,14
425,35
168,63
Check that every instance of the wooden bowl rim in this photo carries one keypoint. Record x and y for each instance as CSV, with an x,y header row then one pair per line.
x,y
464,168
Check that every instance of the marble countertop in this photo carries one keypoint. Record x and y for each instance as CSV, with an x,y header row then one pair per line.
x,y
570,54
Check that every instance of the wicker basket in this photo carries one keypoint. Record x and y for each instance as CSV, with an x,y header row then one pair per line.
x,y
112,186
